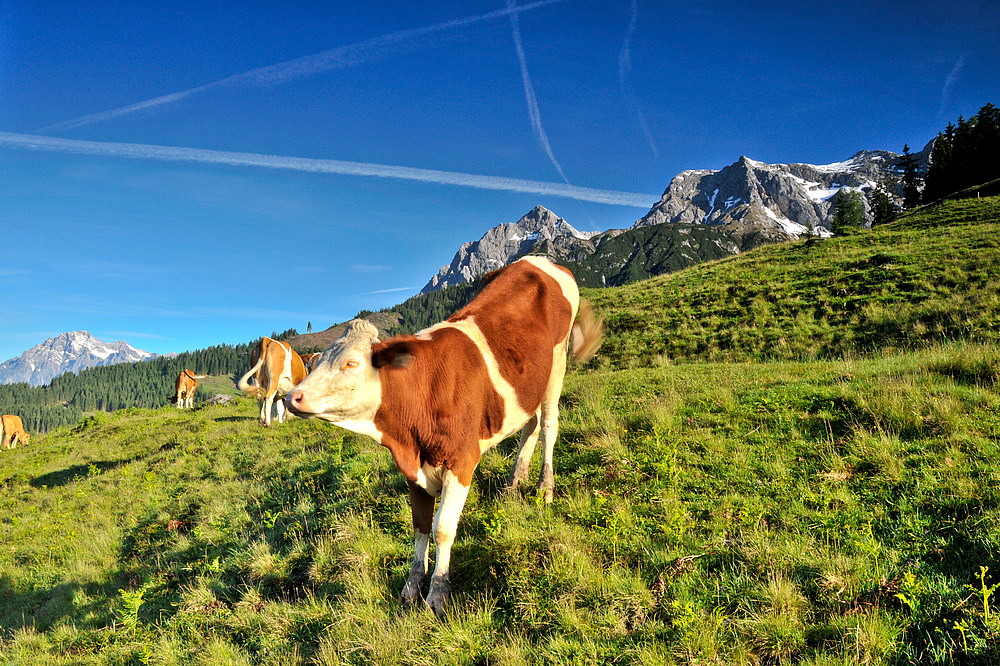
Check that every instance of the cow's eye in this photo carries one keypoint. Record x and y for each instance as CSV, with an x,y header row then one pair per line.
x,y
351,364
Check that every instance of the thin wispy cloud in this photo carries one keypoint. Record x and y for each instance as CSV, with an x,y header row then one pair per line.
x,y
310,165
390,291
625,78
949,83
534,115
133,308
371,268
330,60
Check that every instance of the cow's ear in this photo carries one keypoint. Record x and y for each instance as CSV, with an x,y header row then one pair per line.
x,y
397,354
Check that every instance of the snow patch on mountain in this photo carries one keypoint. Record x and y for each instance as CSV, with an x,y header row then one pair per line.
x,y
794,199
68,352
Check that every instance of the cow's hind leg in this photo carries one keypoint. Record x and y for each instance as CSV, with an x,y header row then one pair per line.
x,y
265,412
529,437
550,423
453,495
422,510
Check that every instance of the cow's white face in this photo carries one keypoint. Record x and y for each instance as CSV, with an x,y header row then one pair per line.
x,y
345,385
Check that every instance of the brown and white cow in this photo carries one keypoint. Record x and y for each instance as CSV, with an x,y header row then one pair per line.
x,y
13,431
276,369
438,400
310,361
187,384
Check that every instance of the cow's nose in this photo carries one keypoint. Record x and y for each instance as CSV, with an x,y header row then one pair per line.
x,y
296,400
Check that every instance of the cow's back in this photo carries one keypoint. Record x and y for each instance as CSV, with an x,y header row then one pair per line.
x,y
524,313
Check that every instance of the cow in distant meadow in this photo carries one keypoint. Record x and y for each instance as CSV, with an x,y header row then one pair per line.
x,y
276,369
438,400
12,431
187,384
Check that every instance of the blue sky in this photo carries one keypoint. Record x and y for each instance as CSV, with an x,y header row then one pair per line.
x,y
209,172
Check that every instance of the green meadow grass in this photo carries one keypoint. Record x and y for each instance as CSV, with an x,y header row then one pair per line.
x,y
791,512
932,276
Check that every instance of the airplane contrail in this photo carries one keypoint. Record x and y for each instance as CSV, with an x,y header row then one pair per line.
x,y
624,74
949,83
325,61
312,165
529,90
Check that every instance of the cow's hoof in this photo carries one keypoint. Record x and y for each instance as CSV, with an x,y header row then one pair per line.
x,y
438,596
411,592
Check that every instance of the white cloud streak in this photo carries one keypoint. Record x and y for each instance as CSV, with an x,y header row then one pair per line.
x,y
309,165
534,115
949,83
311,65
624,78
389,291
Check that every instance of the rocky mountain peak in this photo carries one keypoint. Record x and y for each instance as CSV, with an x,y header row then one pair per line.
x,y
787,200
539,231
67,352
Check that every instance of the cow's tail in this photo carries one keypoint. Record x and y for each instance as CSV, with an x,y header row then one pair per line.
x,y
254,390
587,332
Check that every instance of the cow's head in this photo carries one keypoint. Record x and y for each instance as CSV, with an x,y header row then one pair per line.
x,y
345,385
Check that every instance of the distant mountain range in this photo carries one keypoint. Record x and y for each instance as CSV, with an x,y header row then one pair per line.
x,y
702,215
68,352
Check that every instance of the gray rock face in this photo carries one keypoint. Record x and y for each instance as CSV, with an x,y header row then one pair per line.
x,y
754,204
68,352
222,399
796,199
539,232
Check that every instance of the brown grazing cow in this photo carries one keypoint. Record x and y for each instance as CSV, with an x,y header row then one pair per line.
x,y
276,369
438,400
12,431
187,384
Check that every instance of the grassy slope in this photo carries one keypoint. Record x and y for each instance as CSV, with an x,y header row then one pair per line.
x,y
931,276
822,512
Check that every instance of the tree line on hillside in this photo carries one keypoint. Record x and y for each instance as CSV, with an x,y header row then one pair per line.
x,y
148,384
420,311
963,156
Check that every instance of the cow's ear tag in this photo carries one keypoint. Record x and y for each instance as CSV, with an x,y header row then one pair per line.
x,y
394,355
402,360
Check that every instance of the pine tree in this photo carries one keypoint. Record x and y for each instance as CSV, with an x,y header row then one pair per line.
x,y
881,204
910,168
940,179
986,160
850,212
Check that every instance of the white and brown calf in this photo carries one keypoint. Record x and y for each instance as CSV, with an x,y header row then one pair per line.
x,y
438,400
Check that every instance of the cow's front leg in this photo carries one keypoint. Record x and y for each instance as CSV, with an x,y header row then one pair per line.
x,y
422,510
453,495
279,409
